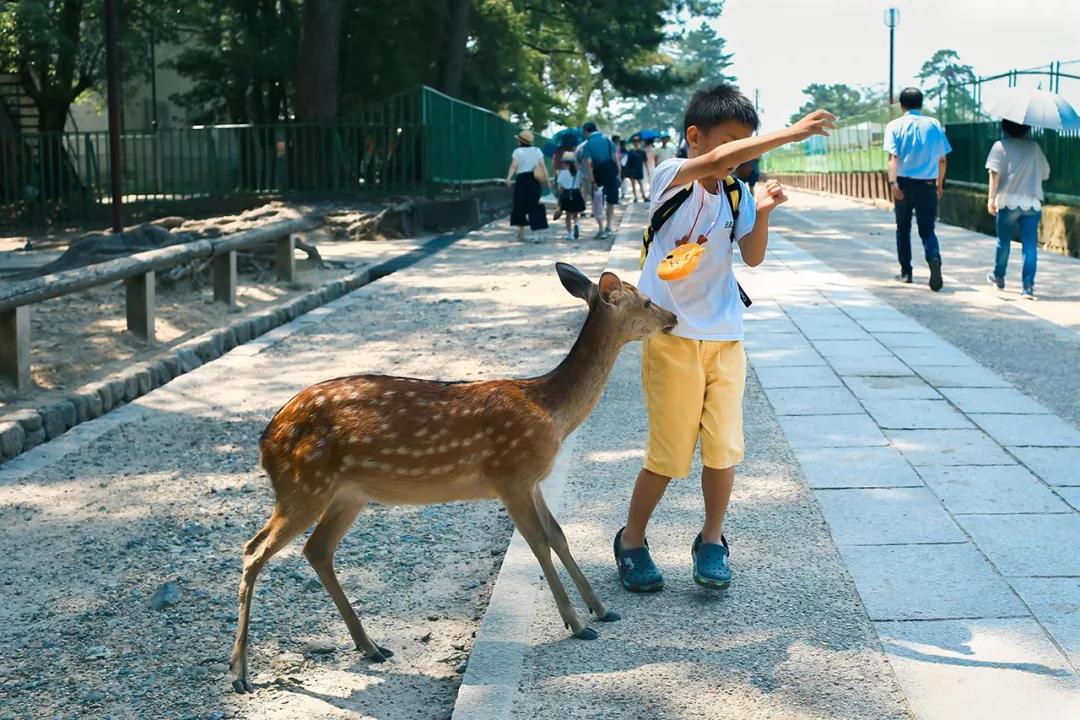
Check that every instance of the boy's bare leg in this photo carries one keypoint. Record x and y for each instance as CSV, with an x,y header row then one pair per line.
x,y
716,489
648,490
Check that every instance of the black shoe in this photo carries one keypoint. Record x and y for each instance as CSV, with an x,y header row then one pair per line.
x,y
935,274
996,281
904,278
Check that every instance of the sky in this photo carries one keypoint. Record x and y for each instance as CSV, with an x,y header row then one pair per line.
x,y
781,46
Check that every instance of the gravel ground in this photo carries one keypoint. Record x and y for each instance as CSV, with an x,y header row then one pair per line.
x,y
153,514
1037,353
789,640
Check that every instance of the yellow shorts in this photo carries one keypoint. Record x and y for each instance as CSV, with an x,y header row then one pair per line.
x,y
693,388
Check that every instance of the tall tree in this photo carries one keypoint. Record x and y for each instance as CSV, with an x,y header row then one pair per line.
x,y
452,62
947,83
318,60
842,100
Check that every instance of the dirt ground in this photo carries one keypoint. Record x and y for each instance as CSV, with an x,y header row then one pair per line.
x,y
172,494
82,337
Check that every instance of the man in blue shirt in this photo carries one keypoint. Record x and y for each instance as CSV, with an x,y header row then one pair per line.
x,y
917,147
598,156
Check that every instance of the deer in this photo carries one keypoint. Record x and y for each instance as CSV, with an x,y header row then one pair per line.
x,y
342,443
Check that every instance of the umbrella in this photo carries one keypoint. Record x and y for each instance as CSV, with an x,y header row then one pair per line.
x,y
647,134
1039,108
568,138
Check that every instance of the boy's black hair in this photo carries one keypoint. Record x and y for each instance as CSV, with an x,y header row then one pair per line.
x,y
711,106
1014,129
911,98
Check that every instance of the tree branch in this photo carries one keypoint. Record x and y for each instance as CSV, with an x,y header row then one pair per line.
x,y
550,51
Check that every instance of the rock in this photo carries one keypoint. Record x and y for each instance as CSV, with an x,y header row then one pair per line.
x,y
166,596
29,419
118,390
12,437
462,666
283,662
433,618
218,668
170,222
193,530
58,418
98,652
319,647
33,439
217,715
458,646
426,637
94,696
313,584
247,488
131,386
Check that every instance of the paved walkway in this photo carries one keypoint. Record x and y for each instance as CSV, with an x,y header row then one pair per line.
x,y
950,505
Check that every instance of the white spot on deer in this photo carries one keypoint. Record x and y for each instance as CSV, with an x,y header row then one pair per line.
x,y
513,443
508,424
348,461
410,393
320,400
528,432
353,395
420,433
436,417
384,426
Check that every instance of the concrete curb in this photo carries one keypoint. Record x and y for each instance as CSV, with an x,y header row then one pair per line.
x,y
25,429
494,668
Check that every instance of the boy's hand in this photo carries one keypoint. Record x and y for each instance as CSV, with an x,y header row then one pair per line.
x,y
819,122
770,196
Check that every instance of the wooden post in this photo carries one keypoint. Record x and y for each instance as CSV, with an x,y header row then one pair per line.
x,y
285,258
140,305
225,278
15,347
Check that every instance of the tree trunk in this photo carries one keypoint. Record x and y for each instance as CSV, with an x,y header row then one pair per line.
x,y
317,61
452,66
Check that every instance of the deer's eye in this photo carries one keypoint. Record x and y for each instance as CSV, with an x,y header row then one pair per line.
x,y
648,304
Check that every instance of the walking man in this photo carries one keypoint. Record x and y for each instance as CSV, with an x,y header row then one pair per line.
x,y
598,154
917,147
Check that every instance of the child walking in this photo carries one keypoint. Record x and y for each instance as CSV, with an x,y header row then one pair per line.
x,y
693,378
571,201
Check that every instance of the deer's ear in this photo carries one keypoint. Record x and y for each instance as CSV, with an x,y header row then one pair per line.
x,y
575,281
611,288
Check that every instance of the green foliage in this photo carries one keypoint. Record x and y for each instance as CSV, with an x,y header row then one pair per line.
x,y
947,84
694,59
841,99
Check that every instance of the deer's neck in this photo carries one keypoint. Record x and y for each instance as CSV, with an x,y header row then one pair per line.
x,y
570,391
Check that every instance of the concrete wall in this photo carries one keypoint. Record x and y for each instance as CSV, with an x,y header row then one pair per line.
x,y
1059,230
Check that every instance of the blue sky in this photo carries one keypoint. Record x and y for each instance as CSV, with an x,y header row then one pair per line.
x,y
781,46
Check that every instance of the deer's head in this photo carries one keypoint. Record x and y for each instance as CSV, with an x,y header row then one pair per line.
x,y
622,304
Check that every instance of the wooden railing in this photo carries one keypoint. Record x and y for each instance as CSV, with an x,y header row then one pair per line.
x,y
137,272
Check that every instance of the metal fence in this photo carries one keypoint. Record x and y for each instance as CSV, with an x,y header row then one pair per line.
x,y
420,141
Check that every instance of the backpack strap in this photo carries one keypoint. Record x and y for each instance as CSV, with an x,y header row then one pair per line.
x,y
733,193
661,216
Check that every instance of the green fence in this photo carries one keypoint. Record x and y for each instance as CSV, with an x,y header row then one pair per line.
x,y
417,142
971,143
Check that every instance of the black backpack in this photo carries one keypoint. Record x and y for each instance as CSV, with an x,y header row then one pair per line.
x,y
733,193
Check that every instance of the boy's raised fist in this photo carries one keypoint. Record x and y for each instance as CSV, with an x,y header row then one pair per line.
x,y
819,122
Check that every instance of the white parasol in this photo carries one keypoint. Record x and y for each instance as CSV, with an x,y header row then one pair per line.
x,y
1038,108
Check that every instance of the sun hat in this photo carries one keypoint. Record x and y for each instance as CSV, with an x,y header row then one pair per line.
x,y
569,156
525,136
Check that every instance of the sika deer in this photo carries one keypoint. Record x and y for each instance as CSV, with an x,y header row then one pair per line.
x,y
341,443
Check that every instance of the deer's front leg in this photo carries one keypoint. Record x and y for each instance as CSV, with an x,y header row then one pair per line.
x,y
522,510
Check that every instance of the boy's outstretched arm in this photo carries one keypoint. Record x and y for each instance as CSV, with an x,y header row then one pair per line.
x,y
752,245
732,154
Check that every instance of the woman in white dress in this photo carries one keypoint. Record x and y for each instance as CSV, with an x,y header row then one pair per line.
x,y
528,176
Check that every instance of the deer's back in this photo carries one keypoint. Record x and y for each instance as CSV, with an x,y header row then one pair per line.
x,y
402,440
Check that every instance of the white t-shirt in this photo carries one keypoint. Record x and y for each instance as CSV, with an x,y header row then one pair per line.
x,y
707,301
1021,167
567,181
527,158
664,152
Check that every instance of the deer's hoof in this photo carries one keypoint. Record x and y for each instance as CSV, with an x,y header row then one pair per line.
x,y
242,685
586,633
381,654
609,616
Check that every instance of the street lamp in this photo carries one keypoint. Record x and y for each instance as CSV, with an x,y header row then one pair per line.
x,y
892,19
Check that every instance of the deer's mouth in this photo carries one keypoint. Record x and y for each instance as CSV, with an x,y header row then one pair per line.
x,y
668,328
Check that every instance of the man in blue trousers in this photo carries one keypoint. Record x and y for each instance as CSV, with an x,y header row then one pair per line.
x,y
917,147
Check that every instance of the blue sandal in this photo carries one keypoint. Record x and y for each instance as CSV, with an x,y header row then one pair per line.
x,y
711,568
637,571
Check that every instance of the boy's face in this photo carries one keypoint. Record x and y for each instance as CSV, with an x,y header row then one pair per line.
x,y
702,141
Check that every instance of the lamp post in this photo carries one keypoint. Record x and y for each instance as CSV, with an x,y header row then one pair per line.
x,y
892,19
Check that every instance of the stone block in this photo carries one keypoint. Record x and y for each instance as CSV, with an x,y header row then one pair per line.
x,y
30,420
173,366
12,437
34,438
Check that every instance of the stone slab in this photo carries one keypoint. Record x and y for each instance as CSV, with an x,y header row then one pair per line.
x,y
835,349
887,516
948,447
923,338
907,387
881,365
979,669
1055,602
997,400
779,377
944,354
990,489
1071,495
960,376
1038,430
1056,466
915,414
890,324
798,356
929,582
807,431
813,401
1027,545
856,468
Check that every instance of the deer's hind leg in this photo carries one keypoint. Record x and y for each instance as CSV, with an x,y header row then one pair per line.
x,y
522,509
284,525
319,551
557,539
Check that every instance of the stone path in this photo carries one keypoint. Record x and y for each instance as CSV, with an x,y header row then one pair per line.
x,y
952,496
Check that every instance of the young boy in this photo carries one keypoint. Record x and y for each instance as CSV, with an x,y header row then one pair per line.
x,y
693,378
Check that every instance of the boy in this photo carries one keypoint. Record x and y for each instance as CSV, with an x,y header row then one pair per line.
x,y
693,378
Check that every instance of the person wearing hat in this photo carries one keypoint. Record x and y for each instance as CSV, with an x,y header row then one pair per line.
x,y
571,201
527,175
598,153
